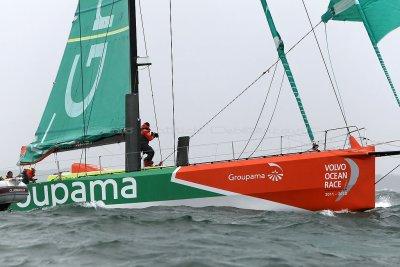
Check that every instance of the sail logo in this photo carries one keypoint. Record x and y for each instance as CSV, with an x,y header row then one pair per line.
x,y
276,174
97,51
246,177
340,178
109,190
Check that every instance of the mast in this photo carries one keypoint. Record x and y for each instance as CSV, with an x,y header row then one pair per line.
x,y
132,113
281,53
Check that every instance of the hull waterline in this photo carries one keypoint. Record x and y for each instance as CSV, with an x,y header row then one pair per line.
x,y
312,181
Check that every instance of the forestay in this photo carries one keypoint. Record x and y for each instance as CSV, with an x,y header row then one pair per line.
x,y
87,102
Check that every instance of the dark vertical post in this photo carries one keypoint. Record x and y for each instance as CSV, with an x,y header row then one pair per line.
x,y
182,158
132,114
233,150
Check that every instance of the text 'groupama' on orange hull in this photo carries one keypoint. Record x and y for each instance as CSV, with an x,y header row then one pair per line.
x,y
335,180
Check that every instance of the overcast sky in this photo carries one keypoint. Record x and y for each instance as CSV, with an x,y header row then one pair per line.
x,y
220,47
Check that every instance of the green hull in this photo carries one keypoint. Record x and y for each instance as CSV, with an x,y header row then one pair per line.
x,y
114,191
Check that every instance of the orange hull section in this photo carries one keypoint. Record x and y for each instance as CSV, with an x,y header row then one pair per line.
x,y
330,180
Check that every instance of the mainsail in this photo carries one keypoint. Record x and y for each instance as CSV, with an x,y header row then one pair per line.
x,y
379,17
87,103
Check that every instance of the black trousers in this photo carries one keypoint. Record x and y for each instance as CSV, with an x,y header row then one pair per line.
x,y
148,150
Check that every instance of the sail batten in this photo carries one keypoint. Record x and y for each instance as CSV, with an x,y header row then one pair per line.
x,y
97,36
343,6
86,106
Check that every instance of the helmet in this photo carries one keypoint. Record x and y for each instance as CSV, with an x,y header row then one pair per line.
x,y
146,125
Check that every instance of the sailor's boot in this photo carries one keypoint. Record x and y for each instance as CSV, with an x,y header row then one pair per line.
x,y
148,163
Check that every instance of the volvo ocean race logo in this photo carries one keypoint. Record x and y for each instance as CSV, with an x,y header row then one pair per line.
x,y
75,109
340,178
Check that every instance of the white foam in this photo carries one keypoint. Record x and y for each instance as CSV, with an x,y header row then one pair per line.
x,y
327,213
94,204
383,202
343,211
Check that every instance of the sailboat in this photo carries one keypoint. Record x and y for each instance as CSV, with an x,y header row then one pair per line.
x,y
99,72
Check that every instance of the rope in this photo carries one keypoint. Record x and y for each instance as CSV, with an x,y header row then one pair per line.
x,y
258,78
386,175
172,76
325,64
261,112
86,124
82,86
388,143
230,103
251,84
331,65
272,116
150,79
302,38
102,55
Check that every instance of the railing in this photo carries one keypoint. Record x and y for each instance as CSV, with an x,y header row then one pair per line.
x,y
336,138
330,139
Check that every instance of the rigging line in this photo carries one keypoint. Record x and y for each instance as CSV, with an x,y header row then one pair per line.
x,y
386,143
257,79
302,38
261,112
172,76
332,68
325,64
386,175
230,103
80,160
272,116
86,125
254,82
82,84
150,79
227,105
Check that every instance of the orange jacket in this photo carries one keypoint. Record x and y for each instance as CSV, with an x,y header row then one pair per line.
x,y
145,131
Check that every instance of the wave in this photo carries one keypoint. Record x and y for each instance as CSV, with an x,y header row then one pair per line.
x,y
327,213
387,198
93,205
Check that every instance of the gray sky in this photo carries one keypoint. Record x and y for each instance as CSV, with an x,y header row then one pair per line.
x,y
220,47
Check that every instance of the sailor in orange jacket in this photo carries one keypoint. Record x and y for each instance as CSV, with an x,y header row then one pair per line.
x,y
147,136
28,176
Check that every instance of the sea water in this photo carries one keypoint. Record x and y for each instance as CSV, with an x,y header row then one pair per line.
x,y
181,236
